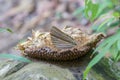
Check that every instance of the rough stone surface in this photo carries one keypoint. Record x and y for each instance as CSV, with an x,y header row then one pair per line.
x,y
72,70
10,70
8,67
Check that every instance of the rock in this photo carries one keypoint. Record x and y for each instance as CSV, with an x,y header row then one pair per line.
x,y
8,67
33,71
106,69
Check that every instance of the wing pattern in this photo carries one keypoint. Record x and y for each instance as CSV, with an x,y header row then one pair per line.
x,y
61,40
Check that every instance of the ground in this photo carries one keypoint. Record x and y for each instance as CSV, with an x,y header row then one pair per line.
x,y
24,15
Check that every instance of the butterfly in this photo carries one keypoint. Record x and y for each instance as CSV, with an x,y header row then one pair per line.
x,y
61,40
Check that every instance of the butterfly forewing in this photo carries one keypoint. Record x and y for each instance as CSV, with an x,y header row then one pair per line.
x,y
61,40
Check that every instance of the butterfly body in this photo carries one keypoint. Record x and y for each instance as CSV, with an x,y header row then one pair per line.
x,y
68,44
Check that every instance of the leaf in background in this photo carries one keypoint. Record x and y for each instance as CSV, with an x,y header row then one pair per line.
x,y
118,56
59,15
9,30
78,11
91,9
103,49
105,7
101,8
116,14
118,44
107,21
108,42
14,57
95,60
22,40
107,45
114,50
106,25
98,57
5,29
2,29
115,23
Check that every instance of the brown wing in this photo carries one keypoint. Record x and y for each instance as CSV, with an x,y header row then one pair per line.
x,y
60,39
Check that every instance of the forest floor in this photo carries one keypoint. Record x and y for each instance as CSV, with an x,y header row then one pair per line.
x,y
23,16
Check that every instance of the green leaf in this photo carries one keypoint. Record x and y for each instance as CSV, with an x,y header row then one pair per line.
x,y
95,60
91,9
107,23
9,30
101,8
114,50
116,14
109,20
22,40
111,44
58,15
78,11
5,29
107,45
118,44
2,29
15,57
118,57
114,23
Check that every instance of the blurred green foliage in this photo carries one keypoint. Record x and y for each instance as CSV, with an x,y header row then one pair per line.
x,y
91,10
14,57
107,12
6,29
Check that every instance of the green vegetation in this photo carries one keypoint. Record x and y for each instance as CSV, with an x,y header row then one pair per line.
x,y
5,29
109,10
14,57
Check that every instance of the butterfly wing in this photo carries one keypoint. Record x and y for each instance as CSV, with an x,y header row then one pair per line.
x,y
60,39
